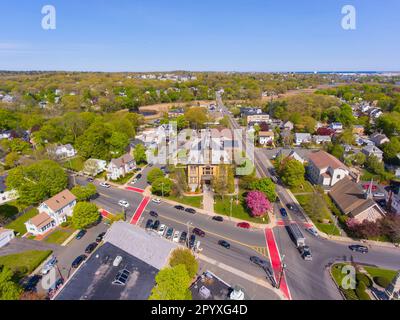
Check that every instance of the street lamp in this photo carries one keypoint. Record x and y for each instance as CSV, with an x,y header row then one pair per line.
x,y
231,208
162,189
283,267
188,232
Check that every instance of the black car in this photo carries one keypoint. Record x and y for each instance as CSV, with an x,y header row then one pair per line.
x,y
75,264
224,244
192,241
32,283
199,232
306,253
89,249
358,248
218,218
190,210
291,207
80,234
89,179
260,262
169,233
139,176
100,237
155,225
179,208
153,214
183,237
149,224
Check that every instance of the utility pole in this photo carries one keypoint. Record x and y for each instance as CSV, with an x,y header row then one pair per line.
x,y
231,208
124,211
162,189
188,232
283,267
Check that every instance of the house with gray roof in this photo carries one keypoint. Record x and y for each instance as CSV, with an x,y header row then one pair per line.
x,y
373,151
120,167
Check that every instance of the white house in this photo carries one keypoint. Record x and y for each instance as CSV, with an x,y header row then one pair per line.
x,y
93,167
121,166
287,153
288,125
321,139
326,170
63,151
6,195
5,135
373,151
6,235
336,126
53,212
300,138
266,137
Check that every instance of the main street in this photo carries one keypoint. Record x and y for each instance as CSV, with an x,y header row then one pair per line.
x,y
310,279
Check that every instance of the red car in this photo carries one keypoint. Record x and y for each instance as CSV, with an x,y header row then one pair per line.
x,y
366,187
243,225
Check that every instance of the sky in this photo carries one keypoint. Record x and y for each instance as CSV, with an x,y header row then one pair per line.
x,y
200,35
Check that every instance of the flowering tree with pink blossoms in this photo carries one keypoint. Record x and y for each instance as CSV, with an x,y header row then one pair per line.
x,y
258,203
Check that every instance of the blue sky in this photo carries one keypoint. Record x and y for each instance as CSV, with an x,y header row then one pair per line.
x,y
203,35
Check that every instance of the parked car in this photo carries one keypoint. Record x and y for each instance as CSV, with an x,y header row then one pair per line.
x,y
105,185
134,181
199,232
378,194
89,179
123,203
139,176
176,236
367,185
243,225
149,224
312,231
190,210
305,253
183,237
358,248
291,207
218,218
156,200
80,234
224,244
100,237
162,229
179,208
49,265
260,262
89,249
155,225
75,264
32,283
381,203
169,233
153,214
283,212
192,241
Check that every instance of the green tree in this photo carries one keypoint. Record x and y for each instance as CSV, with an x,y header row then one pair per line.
x,y
84,215
9,290
224,182
11,160
154,174
162,186
84,193
118,143
185,256
391,150
292,173
266,186
197,117
346,115
139,154
38,181
172,284
360,159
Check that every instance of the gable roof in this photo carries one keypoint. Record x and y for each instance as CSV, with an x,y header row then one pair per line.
x,y
60,200
41,220
322,159
266,134
119,162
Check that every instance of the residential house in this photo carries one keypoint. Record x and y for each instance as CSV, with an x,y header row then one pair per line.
x,y
266,138
6,195
173,113
288,125
6,235
354,202
8,99
5,135
373,151
52,213
337,126
325,170
379,139
375,113
260,117
323,131
288,153
93,167
358,129
120,167
321,139
63,151
300,138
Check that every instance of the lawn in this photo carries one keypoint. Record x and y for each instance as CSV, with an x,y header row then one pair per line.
x,y
125,179
223,206
76,164
18,225
195,201
58,236
378,272
328,228
338,276
24,263
303,188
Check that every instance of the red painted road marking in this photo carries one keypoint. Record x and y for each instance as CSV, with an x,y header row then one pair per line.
x,y
275,260
139,210
135,189
105,213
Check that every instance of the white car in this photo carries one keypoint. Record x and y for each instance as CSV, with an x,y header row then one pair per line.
x,y
162,229
117,261
378,194
156,200
123,203
312,231
134,181
105,185
49,265
176,236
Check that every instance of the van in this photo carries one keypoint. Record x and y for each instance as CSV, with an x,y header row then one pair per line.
x,y
117,261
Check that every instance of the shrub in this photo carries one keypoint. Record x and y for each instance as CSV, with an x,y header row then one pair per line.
x,y
360,291
381,281
361,277
185,257
258,203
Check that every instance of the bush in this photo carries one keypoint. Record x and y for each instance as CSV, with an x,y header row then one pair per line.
x,y
360,291
361,277
381,281
185,257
